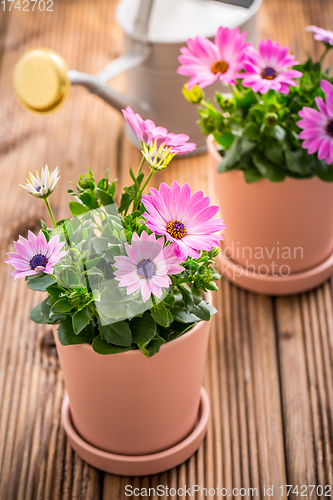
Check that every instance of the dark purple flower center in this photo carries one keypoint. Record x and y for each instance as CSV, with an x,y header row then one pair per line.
x,y
158,159
329,127
219,67
176,229
269,73
38,260
146,269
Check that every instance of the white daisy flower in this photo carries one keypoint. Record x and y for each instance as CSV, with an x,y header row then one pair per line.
x,y
157,158
42,186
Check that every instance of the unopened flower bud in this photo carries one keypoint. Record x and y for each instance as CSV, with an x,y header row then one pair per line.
x,y
224,101
271,119
85,182
74,254
193,96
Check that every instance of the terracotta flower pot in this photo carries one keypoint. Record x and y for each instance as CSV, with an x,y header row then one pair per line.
x,y
127,404
279,235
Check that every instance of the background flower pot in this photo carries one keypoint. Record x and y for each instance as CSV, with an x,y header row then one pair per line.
x,y
131,405
275,226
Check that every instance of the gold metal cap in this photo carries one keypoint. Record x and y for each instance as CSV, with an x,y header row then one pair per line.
x,y
40,80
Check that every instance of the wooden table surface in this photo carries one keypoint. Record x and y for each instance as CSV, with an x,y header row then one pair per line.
x,y
269,371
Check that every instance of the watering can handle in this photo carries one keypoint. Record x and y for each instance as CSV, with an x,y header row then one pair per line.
x,y
96,84
142,19
138,54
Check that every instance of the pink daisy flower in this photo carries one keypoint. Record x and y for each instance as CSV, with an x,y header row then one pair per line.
x,y
148,133
205,61
35,255
321,35
183,219
318,125
146,266
269,68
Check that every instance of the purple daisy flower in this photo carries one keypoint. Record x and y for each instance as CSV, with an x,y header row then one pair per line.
x,y
148,133
318,125
146,266
269,68
205,61
183,219
35,255
321,35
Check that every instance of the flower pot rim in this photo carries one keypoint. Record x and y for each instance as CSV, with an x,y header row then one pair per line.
x,y
211,147
167,345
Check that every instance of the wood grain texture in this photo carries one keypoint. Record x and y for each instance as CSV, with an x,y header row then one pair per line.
x,y
269,370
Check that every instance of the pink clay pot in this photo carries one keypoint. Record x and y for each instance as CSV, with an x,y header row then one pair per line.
x,y
294,214
131,405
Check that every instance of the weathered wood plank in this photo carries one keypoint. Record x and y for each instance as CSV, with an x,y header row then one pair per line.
x,y
270,363
295,395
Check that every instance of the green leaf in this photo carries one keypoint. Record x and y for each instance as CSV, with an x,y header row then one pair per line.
x,y
278,133
251,174
143,329
104,197
126,200
68,337
299,161
224,138
100,245
40,282
55,291
94,271
230,158
77,208
62,306
197,295
274,153
162,315
204,310
89,200
324,171
102,347
252,131
117,333
91,263
41,313
81,319
246,145
152,347
184,316
268,170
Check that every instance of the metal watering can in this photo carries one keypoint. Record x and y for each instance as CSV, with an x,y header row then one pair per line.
x,y
154,30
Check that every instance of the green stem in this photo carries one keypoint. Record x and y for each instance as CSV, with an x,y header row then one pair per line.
x,y
234,89
327,49
207,105
139,195
141,165
145,184
50,212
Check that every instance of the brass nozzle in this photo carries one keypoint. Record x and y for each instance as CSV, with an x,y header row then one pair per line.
x,y
40,80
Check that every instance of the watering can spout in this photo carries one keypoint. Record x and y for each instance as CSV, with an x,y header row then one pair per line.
x,y
155,31
97,84
42,82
